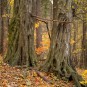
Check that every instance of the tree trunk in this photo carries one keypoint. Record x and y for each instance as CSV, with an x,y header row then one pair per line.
x,y
84,45
39,29
58,59
74,56
1,28
3,25
21,35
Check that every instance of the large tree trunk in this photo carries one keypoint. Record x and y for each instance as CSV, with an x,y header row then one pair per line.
x,y
21,35
58,59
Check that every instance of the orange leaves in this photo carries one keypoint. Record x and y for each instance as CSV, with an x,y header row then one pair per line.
x,y
10,77
4,82
45,39
45,44
40,50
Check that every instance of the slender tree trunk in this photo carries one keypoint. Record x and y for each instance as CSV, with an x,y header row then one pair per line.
x,y
1,28
21,35
74,56
58,59
84,45
39,29
3,25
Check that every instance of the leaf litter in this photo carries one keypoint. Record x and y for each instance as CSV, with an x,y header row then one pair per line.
x,y
15,77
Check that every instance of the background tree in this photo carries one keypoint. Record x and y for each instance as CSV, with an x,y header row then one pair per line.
x,y
74,42
39,28
1,30
3,25
84,44
81,15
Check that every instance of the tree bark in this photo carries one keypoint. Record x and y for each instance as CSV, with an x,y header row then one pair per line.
x,y
84,44
1,28
74,56
3,25
21,35
39,29
58,60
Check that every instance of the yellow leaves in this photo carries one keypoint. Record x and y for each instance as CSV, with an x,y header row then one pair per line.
x,y
84,75
83,82
72,42
34,74
37,25
85,72
77,50
11,2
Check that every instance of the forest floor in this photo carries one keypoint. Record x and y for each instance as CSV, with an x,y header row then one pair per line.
x,y
15,77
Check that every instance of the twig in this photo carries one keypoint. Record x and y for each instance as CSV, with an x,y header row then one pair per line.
x,y
46,20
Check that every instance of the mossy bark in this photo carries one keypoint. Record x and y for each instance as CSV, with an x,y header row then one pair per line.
x,y
58,60
21,35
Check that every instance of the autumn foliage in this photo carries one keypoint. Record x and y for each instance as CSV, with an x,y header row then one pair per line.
x,y
45,41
